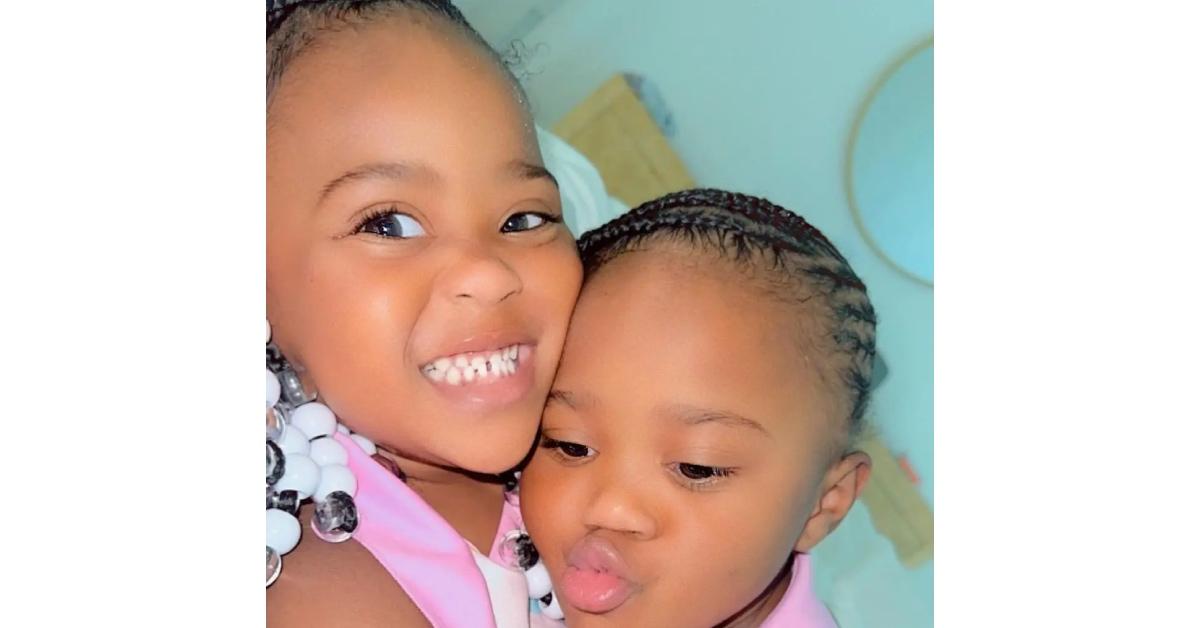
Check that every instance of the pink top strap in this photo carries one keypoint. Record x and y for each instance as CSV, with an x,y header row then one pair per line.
x,y
800,607
422,552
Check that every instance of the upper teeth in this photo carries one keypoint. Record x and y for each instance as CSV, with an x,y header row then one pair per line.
x,y
467,367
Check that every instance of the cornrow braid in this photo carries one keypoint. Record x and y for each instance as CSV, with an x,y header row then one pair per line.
x,y
292,25
768,240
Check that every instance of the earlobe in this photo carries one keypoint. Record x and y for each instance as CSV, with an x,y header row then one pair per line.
x,y
842,485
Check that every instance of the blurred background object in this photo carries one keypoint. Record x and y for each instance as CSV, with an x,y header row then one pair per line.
x,y
824,108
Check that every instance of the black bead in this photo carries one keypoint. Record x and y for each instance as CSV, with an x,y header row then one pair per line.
x,y
348,511
287,501
546,599
276,472
527,554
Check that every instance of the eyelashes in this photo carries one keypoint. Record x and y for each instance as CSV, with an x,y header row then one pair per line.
x,y
521,221
389,222
696,477
567,451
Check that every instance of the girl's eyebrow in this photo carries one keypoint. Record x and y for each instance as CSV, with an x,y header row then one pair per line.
x,y
572,400
526,170
399,170
692,415
396,170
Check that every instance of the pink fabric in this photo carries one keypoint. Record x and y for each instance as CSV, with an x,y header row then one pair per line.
x,y
800,607
424,554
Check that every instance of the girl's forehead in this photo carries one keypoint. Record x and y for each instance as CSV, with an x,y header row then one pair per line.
x,y
354,76
422,98
690,326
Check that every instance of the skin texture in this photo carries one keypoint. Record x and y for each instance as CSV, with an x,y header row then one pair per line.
x,y
650,336
358,313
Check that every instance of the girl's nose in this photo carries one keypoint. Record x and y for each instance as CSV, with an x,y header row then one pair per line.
x,y
618,506
477,278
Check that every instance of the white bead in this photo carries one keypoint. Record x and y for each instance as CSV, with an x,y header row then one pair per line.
x,y
364,443
293,441
268,331
283,530
326,451
300,474
552,610
538,579
342,429
335,477
314,419
272,389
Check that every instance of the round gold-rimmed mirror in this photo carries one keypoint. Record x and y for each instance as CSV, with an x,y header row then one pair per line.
x,y
888,171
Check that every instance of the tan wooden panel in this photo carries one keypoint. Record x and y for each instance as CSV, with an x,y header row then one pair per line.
x,y
617,134
897,508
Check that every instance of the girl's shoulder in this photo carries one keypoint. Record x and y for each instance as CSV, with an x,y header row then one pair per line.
x,y
327,584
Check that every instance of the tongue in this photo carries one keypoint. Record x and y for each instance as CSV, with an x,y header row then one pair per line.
x,y
594,591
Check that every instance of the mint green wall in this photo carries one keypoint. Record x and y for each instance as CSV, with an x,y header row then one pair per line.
x,y
762,97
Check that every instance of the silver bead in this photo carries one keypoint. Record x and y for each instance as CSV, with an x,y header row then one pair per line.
x,y
274,565
293,388
336,518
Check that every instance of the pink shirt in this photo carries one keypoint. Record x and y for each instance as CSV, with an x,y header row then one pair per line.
x,y
444,575
422,552
800,607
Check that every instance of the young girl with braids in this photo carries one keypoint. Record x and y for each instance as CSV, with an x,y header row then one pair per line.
x,y
419,284
698,439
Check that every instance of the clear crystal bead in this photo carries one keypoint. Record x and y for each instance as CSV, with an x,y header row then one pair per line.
x,y
276,423
336,518
508,549
274,565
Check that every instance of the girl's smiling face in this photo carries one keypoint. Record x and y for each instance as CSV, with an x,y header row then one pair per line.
x,y
686,450
411,230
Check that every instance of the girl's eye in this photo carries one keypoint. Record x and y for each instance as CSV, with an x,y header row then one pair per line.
x,y
391,224
527,221
700,476
567,450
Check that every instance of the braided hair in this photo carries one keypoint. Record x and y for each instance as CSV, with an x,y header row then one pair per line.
x,y
293,25
779,251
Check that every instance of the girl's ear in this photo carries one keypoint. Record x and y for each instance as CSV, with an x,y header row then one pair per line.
x,y
842,485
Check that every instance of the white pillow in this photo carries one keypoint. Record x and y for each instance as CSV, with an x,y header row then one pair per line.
x,y
586,203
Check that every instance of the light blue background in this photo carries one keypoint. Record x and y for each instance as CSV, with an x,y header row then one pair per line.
x,y
762,96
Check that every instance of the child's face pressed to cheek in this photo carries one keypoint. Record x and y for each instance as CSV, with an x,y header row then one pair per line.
x,y
685,448
407,231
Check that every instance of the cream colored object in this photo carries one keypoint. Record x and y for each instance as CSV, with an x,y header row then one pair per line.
x,y
586,203
897,509
617,134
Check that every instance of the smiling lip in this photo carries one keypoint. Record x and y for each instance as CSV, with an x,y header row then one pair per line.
x,y
596,579
490,393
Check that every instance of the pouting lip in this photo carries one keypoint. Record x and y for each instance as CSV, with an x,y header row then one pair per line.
x,y
596,579
488,342
597,554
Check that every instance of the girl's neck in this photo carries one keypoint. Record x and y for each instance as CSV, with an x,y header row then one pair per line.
x,y
757,611
470,502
